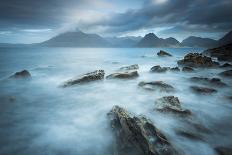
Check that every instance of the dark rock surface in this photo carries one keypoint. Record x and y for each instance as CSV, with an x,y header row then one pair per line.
x,y
157,85
197,60
224,150
170,104
175,69
227,73
21,74
123,75
131,67
89,77
208,81
225,65
187,69
162,53
203,90
158,69
138,133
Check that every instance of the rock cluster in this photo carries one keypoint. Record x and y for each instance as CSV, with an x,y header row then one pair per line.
x,y
208,81
159,69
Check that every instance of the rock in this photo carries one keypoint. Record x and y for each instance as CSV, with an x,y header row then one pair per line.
x,y
162,53
159,69
170,104
175,69
187,69
123,75
207,81
203,90
12,98
21,74
227,73
225,65
224,150
190,135
197,60
138,133
157,85
89,77
131,67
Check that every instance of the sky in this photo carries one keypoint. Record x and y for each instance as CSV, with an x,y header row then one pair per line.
x,y
32,21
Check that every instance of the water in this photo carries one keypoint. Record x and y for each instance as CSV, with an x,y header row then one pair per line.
x,y
38,117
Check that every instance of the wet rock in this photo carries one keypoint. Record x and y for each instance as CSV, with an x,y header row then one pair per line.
x,y
131,67
162,53
202,90
170,104
227,73
159,69
224,150
197,60
187,69
175,69
207,81
21,74
123,75
225,65
190,135
89,77
138,133
157,85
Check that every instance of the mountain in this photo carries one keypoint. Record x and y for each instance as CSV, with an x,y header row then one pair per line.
x,y
198,42
123,41
76,39
151,40
227,39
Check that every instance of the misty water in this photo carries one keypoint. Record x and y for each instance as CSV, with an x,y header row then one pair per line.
x,y
38,117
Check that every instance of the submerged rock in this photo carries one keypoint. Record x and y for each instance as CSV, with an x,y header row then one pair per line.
x,y
89,77
197,60
203,90
157,85
21,74
225,65
175,69
162,53
138,133
227,73
170,104
187,69
208,81
131,67
123,75
159,69
224,150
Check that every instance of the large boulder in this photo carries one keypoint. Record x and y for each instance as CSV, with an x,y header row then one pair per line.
x,y
208,81
157,85
170,104
203,90
123,75
89,77
138,133
162,53
227,73
131,67
197,60
159,69
21,74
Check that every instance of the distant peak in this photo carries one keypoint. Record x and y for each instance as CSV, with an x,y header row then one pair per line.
x,y
150,35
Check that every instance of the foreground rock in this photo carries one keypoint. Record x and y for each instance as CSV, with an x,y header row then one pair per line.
x,y
158,69
170,104
223,53
187,69
157,85
207,81
89,77
138,133
203,90
21,74
227,73
123,75
131,67
162,53
197,60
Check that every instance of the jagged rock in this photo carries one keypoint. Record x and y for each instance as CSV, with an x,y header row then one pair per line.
x,y
138,133
89,77
162,53
131,67
197,60
208,81
225,65
203,90
227,73
157,85
123,75
187,69
21,74
175,69
170,104
224,150
159,69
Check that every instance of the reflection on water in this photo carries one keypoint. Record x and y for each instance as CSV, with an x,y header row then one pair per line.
x,y
38,117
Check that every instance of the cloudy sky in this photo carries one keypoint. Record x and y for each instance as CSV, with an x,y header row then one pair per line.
x,y
29,21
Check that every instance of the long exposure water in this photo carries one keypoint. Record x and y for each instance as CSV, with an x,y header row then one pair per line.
x,y
39,117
